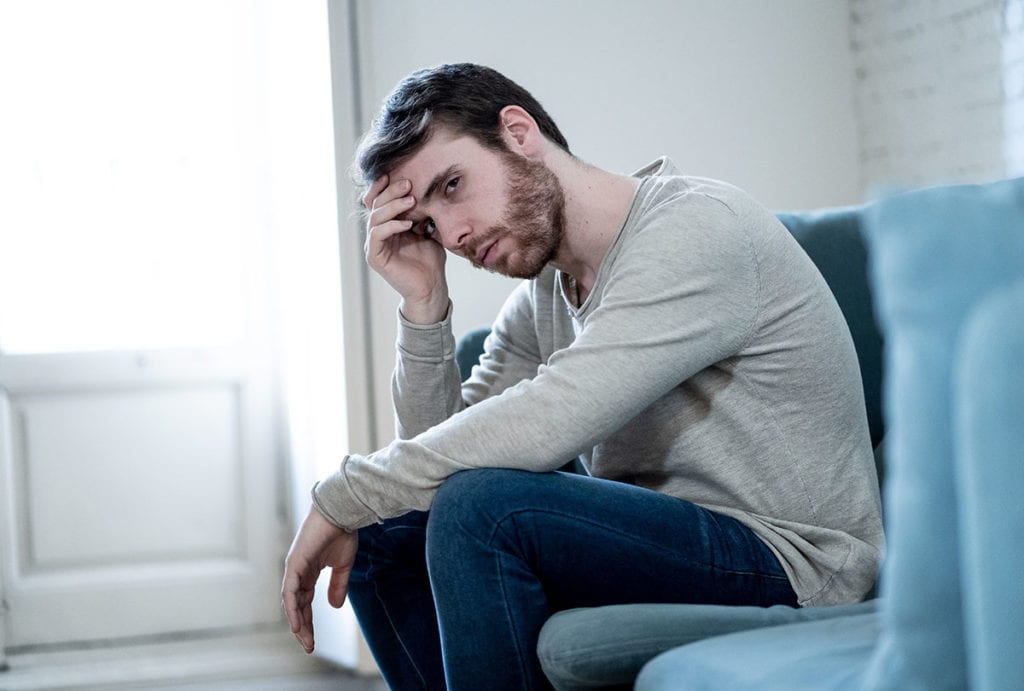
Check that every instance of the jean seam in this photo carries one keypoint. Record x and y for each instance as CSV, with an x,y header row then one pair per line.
x,y
509,617
391,623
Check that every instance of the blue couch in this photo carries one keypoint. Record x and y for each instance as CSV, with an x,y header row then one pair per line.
x,y
946,281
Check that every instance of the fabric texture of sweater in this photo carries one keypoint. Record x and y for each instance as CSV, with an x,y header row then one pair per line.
x,y
710,362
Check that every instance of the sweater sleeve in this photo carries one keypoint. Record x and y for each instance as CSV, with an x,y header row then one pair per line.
x,y
425,385
676,300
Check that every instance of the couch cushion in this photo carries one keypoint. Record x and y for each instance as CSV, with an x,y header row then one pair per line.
x,y
989,453
602,646
828,654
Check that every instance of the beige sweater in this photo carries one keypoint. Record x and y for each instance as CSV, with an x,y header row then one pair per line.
x,y
710,362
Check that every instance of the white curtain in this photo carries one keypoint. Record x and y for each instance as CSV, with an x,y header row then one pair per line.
x,y
306,260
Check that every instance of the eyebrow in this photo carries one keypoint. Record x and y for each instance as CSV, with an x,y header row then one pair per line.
x,y
438,179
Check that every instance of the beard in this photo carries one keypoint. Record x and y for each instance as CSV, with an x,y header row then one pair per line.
x,y
534,219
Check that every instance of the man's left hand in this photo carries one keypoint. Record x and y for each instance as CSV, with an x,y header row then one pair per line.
x,y
317,545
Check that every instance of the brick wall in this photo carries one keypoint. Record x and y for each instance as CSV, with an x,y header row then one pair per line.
x,y
1013,85
939,89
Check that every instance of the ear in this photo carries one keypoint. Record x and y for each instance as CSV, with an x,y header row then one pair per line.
x,y
520,132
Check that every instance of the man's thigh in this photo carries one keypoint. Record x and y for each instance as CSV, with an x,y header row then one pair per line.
x,y
593,542
396,544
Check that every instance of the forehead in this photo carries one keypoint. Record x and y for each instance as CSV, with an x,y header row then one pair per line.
x,y
442,150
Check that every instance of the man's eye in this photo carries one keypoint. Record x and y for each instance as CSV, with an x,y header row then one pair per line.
x,y
424,228
452,184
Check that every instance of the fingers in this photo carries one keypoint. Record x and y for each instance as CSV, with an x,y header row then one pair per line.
x,y
394,201
380,232
387,202
305,634
381,194
298,608
409,262
338,588
375,189
289,590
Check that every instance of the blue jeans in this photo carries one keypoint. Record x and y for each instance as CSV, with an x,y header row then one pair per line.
x,y
456,598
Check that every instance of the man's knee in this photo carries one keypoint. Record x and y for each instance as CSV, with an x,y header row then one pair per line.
x,y
478,492
475,503
468,501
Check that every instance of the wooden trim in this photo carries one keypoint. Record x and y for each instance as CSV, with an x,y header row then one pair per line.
x,y
356,313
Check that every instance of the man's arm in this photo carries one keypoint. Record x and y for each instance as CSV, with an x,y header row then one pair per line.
x,y
665,315
415,267
426,385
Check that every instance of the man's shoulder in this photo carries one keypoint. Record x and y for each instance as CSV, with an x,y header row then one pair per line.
x,y
664,176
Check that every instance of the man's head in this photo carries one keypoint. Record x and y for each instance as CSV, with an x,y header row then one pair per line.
x,y
463,98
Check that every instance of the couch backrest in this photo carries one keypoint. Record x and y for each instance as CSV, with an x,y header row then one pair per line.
x,y
833,239
940,257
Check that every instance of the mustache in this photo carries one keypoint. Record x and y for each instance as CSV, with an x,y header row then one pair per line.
x,y
480,241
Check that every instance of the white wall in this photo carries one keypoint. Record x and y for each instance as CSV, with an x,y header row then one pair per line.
x,y
756,93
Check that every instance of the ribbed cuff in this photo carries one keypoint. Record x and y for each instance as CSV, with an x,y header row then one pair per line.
x,y
427,342
334,498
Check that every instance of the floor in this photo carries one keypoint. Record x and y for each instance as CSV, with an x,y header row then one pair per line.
x,y
268,661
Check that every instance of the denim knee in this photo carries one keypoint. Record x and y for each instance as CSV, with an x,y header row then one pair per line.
x,y
474,502
475,491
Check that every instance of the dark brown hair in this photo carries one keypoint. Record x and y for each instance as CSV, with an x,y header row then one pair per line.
x,y
463,97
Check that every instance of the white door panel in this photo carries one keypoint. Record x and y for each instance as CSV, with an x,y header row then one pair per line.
x,y
104,477
139,495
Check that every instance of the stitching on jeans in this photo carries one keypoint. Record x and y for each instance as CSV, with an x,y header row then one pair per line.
x,y
509,618
391,623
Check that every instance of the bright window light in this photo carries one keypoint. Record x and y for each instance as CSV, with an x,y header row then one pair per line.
x,y
122,175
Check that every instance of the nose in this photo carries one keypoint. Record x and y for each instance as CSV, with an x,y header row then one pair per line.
x,y
454,231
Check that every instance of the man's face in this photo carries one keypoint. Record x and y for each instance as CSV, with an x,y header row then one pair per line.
x,y
503,212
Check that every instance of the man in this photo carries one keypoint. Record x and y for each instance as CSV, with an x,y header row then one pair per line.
x,y
670,333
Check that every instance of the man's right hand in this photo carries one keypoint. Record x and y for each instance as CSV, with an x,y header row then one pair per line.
x,y
411,264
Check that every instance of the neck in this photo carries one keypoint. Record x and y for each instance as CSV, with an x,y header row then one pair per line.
x,y
596,205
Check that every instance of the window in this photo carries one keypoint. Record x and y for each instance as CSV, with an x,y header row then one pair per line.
x,y
123,175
